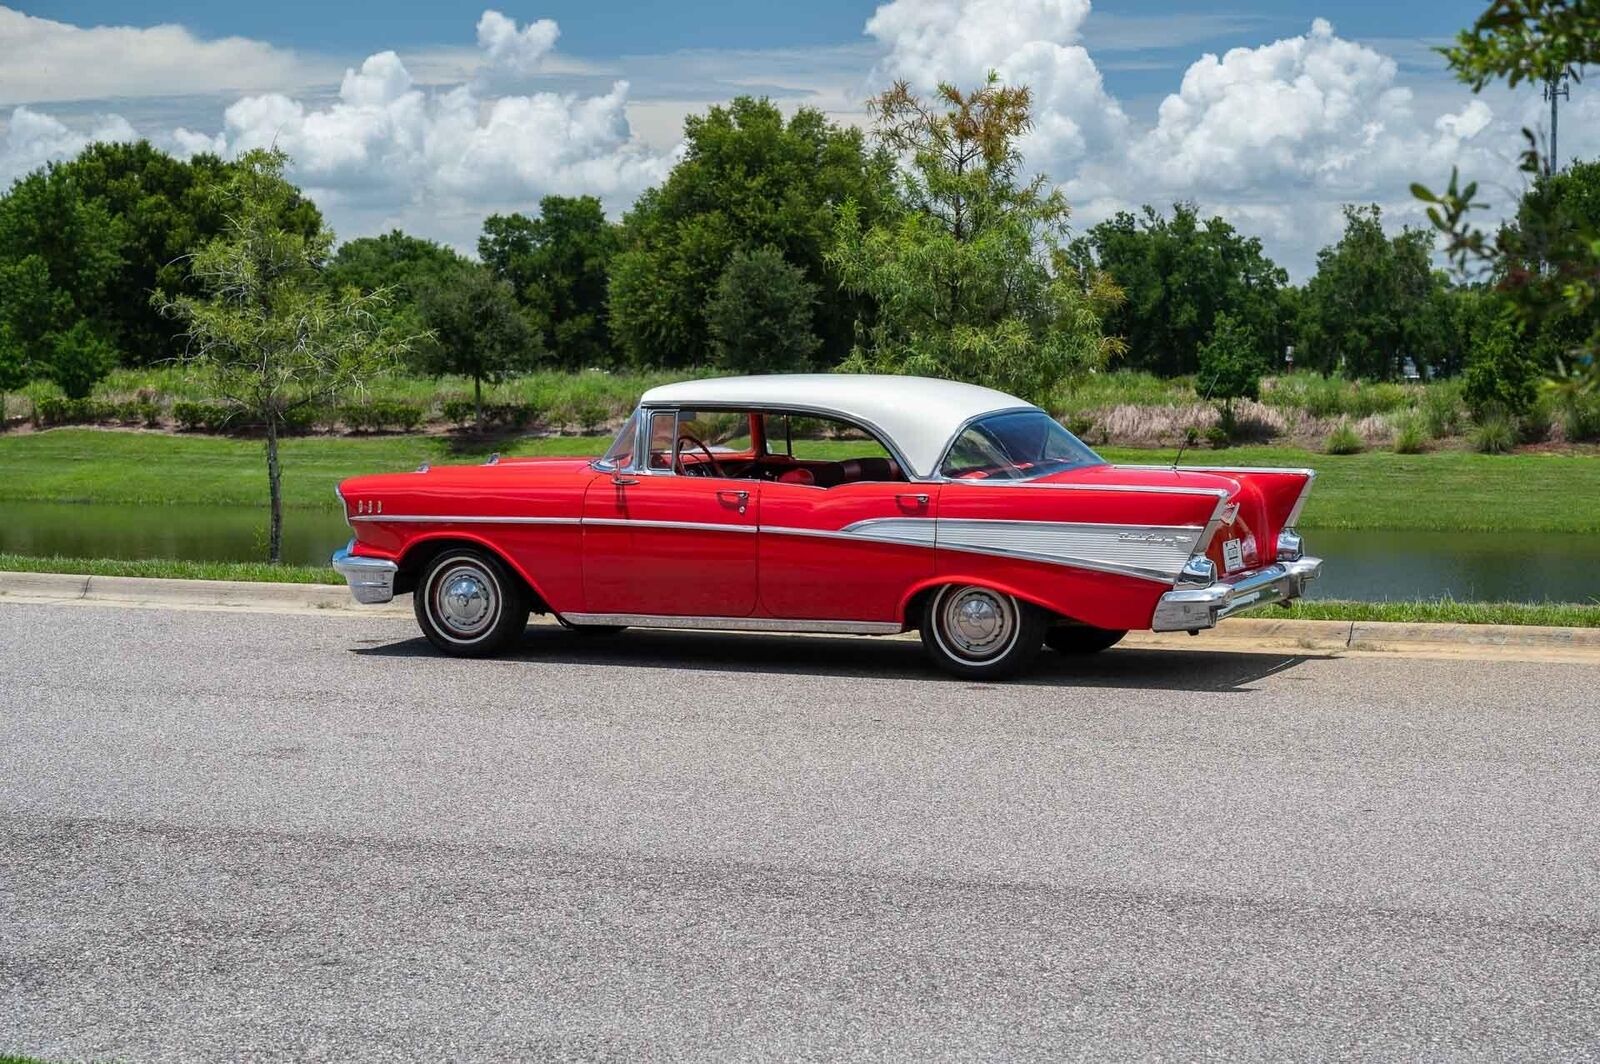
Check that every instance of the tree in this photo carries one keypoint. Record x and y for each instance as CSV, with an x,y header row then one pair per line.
x,y
1501,376
79,356
265,333
1547,266
13,369
747,179
1366,309
58,253
969,277
1230,367
760,314
478,331
558,264
137,209
1179,275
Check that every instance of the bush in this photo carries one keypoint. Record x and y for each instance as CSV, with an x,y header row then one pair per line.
x,y
1344,440
57,410
78,357
499,415
1410,434
1218,437
1364,400
1580,418
200,417
1501,379
379,415
1442,409
1080,425
1495,434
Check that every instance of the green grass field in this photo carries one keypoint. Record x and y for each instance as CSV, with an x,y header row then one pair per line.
x,y
1446,491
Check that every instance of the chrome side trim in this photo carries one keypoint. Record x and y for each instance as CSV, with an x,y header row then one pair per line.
x,y
1221,469
442,519
1154,489
371,580
1150,552
1191,609
703,526
738,624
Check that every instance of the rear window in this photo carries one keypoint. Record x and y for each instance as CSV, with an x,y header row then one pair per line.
x,y
1017,445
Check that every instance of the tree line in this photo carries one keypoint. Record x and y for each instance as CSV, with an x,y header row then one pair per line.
x,y
786,244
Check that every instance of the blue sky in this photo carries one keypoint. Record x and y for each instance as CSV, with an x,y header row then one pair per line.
x,y
429,115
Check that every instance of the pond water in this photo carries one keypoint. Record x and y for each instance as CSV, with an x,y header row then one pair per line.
x,y
1481,566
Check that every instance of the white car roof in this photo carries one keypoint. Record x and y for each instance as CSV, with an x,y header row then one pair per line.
x,y
919,415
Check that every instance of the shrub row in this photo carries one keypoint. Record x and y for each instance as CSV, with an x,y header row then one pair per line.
x,y
380,415
464,412
56,410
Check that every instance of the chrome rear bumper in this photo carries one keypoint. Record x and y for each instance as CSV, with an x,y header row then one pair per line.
x,y
1190,609
371,580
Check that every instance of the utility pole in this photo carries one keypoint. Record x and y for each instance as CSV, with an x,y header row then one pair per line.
x,y
1555,89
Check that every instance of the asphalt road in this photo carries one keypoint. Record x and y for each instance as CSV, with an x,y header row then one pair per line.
x,y
253,836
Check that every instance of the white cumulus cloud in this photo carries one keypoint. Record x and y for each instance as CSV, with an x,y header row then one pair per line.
x,y
520,51
32,139
1027,42
46,61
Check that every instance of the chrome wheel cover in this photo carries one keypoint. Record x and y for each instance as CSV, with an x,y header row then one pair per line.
x,y
975,624
464,601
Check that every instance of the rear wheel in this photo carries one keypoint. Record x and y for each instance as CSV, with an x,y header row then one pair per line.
x,y
469,604
978,633
1082,638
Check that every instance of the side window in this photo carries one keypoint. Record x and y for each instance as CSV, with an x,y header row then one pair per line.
x,y
620,454
663,435
825,452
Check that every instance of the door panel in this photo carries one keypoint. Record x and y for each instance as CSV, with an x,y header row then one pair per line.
x,y
812,569
670,545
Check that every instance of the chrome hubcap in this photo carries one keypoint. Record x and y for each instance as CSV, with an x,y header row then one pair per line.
x,y
464,600
978,623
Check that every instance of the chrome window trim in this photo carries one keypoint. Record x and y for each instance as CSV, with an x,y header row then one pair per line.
x,y
738,624
883,439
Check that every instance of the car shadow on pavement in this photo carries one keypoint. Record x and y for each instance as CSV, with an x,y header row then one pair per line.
x,y
1126,668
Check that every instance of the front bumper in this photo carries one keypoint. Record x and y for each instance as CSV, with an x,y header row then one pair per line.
x,y
371,580
1190,609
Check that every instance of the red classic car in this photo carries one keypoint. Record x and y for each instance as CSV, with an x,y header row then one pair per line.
x,y
831,503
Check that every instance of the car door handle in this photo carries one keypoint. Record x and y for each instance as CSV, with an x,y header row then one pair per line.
x,y
740,497
915,500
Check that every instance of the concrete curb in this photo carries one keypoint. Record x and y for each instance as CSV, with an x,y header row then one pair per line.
x,y
1328,636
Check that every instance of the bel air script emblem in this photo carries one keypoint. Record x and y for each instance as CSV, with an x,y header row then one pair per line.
x,y
1163,538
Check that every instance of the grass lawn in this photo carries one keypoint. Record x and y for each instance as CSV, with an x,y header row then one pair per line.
x,y
1446,491
168,569
1439,611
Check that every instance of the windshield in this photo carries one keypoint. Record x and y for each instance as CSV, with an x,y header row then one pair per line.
x,y
620,454
1015,446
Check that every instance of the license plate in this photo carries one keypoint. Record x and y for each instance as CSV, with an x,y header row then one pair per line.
x,y
1232,556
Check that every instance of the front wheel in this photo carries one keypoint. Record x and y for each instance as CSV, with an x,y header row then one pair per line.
x,y
1077,639
470,605
978,633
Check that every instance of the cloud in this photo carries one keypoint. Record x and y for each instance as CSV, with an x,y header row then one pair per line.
x,y
33,139
386,148
1027,42
1275,138
45,61
517,51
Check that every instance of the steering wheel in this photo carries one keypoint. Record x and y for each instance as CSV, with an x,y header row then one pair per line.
x,y
697,469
